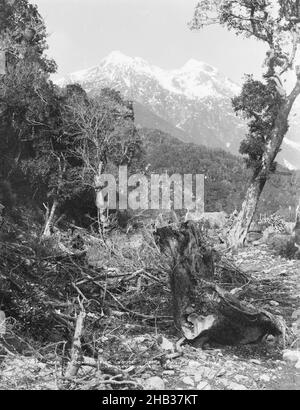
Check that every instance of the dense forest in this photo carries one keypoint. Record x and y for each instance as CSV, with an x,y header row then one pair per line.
x,y
53,140
226,175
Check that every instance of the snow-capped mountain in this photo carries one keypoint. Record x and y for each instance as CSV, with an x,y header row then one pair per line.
x,y
192,103
290,154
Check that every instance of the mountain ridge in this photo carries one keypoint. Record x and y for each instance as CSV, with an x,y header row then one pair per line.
x,y
192,102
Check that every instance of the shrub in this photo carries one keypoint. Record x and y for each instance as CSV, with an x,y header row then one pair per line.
x,y
283,245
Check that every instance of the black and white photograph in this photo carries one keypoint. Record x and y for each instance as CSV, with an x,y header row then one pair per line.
x,y
149,198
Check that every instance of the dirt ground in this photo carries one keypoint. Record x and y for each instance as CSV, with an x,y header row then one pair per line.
x,y
275,286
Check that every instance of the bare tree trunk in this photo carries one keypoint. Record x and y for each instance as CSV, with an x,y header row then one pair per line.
x,y
238,233
50,214
242,224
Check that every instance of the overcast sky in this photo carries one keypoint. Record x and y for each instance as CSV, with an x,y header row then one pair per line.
x,y
82,32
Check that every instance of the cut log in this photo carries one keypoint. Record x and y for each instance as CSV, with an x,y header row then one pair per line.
x,y
203,311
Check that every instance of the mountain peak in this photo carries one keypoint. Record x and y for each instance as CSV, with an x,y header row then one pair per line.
x,y
118,58
194,64
192,102
195,79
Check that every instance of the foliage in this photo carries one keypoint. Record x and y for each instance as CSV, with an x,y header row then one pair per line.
x,y
24,86
259,103
50,138
225,174
277,23
283,245
101,133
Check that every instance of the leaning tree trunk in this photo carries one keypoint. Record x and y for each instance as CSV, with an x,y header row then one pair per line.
x,y
240,228
203,311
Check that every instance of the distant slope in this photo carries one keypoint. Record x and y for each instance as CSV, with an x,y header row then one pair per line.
x,y
226,178
145,118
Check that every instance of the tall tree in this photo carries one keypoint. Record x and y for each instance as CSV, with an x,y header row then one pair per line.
x,y
32,108
25,85
102,136
266,103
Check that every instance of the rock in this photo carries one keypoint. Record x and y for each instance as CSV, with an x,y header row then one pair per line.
x,y
297,365
271,339
265,378
207,372
291,356
225,382
290,227
203,386
169,373
284,273
273,303
189,381
240,378
154,383
193,363
236,386
139,340
256,243
211,375
165,344
254,361
169,365
198,377
221,373
296,314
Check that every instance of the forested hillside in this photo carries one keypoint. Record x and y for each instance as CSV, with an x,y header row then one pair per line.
x,y
226,175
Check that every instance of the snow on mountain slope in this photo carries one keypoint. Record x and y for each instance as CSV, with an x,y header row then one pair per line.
x,y
194,80
288,165
192,102
195,99
292,144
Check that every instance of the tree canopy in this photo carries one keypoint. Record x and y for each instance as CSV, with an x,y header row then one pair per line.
x,y
266,103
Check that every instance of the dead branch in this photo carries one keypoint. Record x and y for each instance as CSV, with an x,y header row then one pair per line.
x,y
76,353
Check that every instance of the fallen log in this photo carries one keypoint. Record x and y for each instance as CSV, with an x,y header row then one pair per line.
x,y
203,311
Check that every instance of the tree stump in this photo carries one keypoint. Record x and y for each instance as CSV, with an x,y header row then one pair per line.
x,y
203,311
